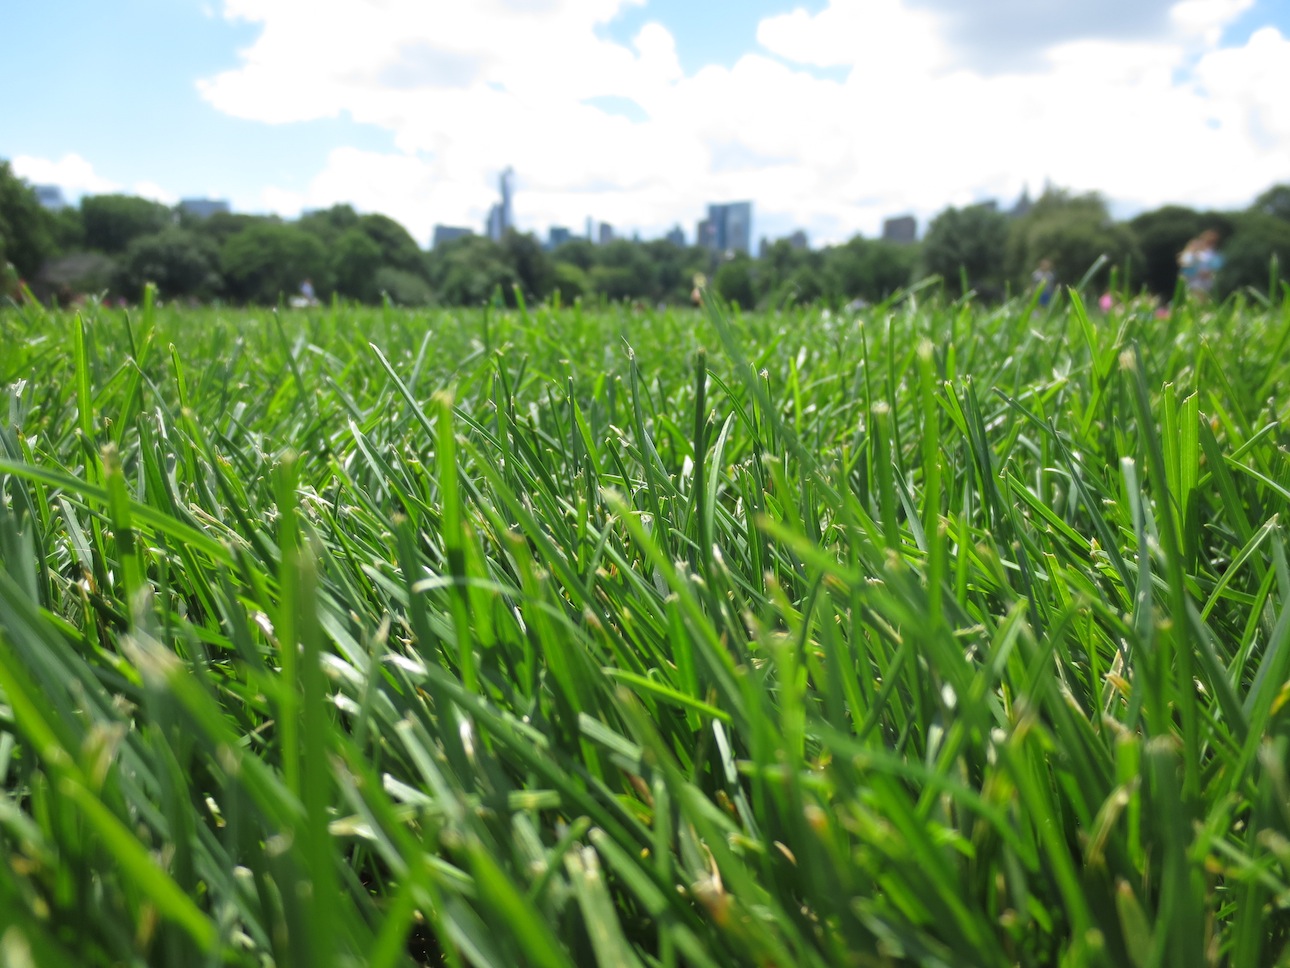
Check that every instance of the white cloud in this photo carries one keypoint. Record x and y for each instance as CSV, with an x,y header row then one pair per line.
x,y
147,189
1160,113
77,177
1206,19
872,36
72,173
1248,86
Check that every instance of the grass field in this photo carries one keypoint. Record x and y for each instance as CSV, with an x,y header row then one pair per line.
x,y
939,636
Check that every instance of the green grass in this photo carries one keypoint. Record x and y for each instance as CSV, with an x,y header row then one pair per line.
x,y
941,636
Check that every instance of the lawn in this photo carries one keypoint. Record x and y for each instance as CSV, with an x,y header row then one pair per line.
x,y
938,635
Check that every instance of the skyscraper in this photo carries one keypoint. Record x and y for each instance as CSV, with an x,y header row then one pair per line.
x,y
446,233
506,183
902,229
203,207
50,197
728,228
501,217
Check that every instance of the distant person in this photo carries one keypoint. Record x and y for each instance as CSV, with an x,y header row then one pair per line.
x,y
306,297
1045,281
1199,262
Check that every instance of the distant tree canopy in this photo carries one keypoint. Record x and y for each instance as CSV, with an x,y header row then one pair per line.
x,y
466,271
354,261
1248,256
967,242
863,269
267,261
1161,235
26,229
115,244
1072,232
112,222
179,262
1275,202
734,282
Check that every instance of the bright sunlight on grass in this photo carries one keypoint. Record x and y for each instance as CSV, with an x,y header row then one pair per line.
x,y
942,636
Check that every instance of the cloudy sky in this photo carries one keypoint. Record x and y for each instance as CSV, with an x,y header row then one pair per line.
x,y
828,114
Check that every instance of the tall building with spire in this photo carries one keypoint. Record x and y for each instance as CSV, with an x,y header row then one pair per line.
x,y
501,217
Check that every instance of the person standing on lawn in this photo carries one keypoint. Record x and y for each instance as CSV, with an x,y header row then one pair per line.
x,y
1199,263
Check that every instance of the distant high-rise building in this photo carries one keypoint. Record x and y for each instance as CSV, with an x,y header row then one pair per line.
x,y
705,234
557,236
795,241
676,236
606,233
501,217
902,229
50,197
446,233
204,207
506,185
591,232
728,228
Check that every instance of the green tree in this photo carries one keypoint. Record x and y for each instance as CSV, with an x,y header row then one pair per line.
x,y
112,222
889,266
1161,234
355,259
329,223
967,241
1072,232
26,232
533,270
614,282
673,270
1248,254
398,248
268,260
223,225
787,274
623,271
571,282
807,284
360,246
577,252
68,229
403,288
1275,202
734,282
179,262
870,269
466,271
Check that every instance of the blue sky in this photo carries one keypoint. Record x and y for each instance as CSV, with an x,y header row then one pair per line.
x,y
828,114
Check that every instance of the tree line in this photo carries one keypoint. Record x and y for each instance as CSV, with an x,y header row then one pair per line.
x,y
114,245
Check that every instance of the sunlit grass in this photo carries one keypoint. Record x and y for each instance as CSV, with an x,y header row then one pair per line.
x,y
939,636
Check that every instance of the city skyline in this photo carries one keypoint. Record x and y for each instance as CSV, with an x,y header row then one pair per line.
x,y
832,115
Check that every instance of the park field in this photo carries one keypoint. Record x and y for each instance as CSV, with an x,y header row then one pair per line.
x,y
937,635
